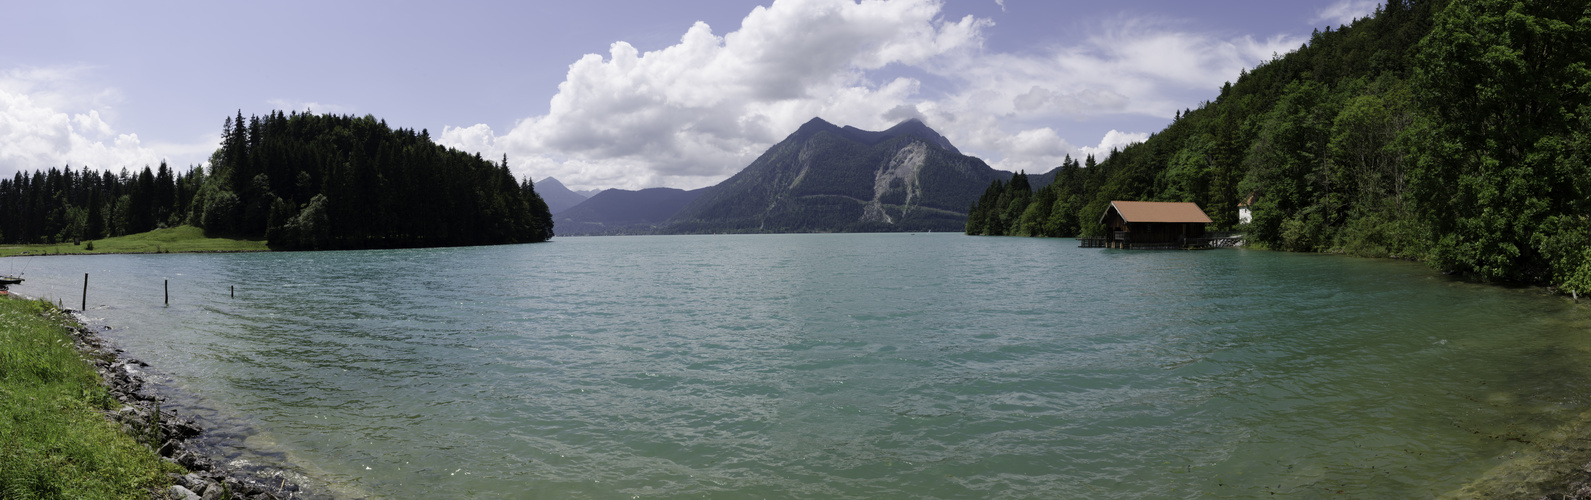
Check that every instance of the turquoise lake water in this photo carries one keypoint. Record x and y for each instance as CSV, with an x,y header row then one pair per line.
x,y
843,366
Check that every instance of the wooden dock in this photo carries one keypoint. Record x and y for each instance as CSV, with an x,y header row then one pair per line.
x,y
1120,241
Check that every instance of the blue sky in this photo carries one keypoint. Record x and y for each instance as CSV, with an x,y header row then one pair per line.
x,y
628,94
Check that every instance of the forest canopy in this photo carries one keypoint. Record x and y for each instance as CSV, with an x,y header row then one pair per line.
x,y
1451,131
302,181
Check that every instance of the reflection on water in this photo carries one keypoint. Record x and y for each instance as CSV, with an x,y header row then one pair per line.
x,y
847,366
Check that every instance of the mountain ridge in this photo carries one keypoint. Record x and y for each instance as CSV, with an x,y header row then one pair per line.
x,y
829,178
820,178
558,196
622,211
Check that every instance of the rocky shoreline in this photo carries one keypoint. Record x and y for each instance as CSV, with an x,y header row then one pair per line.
x,y
173,437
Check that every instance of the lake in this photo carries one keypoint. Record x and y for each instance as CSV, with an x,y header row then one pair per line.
x,y
843,366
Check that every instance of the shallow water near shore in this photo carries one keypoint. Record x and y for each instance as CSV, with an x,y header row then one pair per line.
x,y
846,366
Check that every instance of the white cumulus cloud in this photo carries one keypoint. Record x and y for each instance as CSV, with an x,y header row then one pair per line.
x,y
47,122
1132,66
696,112
1114,140
691,114
1039,150
1137,67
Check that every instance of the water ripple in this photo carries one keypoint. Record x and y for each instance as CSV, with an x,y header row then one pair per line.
x,y
848,366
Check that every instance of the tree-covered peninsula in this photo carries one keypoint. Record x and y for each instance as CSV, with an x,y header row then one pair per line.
x,y
301,181
1453,131
335,182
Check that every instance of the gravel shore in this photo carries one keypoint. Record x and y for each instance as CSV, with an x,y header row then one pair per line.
x,y
172,436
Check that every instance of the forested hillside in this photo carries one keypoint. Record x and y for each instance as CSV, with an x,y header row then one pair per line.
x,y
1451,131
70,205
302,181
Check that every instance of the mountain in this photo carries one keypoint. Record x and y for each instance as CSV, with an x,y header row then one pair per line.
x,y
558,197
826,178
1040,180
621,211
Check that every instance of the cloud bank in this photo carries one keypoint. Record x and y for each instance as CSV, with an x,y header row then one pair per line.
x,y
693,113
46,121
697,111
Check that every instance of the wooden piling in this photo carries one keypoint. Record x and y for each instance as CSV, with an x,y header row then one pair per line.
x,y
168,293
234,291
84,308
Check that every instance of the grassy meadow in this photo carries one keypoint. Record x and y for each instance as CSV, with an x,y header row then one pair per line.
x,y
180,239
55,442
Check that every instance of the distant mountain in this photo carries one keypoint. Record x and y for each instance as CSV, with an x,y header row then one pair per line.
x,y
1037,181
558,197
621,211
827,178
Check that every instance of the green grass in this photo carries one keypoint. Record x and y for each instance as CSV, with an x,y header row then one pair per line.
x,y
54,440
180,239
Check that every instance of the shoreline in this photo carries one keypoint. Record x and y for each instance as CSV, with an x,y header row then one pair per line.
x,y
81,254
1560,466
142,418
1558,469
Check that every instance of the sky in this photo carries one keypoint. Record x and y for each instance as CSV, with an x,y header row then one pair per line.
x,y
626,93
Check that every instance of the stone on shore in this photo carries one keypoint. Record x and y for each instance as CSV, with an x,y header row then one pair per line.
x,y
180,493
213,491
168,434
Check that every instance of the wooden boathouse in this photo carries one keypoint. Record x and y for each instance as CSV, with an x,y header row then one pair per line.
x,y
1151,225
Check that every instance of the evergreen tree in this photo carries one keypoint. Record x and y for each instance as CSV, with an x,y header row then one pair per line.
x,y
94,226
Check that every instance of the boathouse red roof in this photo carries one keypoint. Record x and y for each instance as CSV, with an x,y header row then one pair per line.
x,y
1157,211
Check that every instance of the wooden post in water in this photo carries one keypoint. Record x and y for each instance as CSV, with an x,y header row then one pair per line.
x,y
168,293
84,309
234,291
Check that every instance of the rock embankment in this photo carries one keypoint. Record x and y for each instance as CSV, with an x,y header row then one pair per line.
x,y
171,436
